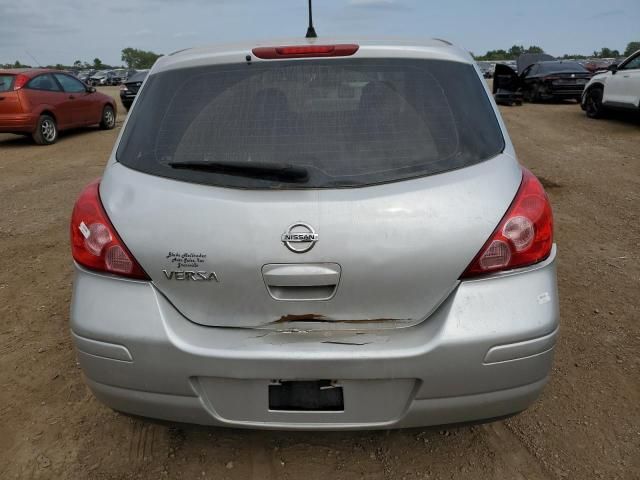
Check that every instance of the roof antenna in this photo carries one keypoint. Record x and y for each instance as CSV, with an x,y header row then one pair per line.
x,y
311,32
33,58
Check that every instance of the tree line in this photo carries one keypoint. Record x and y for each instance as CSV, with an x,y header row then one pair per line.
x,y
132,58
515,51
137,59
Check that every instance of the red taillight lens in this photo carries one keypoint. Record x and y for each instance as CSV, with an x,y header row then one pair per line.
x,y
302,51
20,81
95,244
524,235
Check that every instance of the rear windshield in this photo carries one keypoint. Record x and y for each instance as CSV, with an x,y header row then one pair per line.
x,y
137,77
6,82
562,67
347,122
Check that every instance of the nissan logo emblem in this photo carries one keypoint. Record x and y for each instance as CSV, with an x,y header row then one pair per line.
x,y
300,237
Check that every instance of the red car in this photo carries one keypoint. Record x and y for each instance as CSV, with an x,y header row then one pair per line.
x,y
43,102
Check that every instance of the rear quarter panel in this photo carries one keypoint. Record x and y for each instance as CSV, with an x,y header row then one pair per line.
x,y
10,103
98,105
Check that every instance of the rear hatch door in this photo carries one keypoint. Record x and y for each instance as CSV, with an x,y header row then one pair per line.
x,y
406,181
385,256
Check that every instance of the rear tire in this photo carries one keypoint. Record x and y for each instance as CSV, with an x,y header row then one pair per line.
x,y
108,120
532,94
593,102
535,93
46,131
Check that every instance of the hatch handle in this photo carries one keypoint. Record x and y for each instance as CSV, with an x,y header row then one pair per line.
x,y
301,282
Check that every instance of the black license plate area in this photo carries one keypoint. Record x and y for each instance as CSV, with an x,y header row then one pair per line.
x,y
307,396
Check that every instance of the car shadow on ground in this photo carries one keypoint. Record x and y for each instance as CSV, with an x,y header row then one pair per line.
x,y
554,101
195,431
357,453
621,116
19,141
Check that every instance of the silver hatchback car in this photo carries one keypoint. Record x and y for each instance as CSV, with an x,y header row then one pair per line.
x,y
315,235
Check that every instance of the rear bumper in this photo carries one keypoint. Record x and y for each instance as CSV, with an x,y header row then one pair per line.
x,y
18,123
421,412
127,99
506,97
486,352
565,91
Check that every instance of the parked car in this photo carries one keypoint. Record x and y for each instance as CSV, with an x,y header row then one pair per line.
x,y
543,79
85,76
118,76
105,78
129,89
595,66
98,78
505,87
618,88
112,79
315,237
44,102
487,69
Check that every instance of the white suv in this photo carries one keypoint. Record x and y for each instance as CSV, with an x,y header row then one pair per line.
x,y
617,88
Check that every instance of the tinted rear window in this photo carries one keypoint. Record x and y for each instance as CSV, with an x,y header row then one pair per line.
x,y
562,67
6,82
138,77
349,122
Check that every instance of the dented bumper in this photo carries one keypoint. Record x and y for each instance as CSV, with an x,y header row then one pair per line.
x,y
485,352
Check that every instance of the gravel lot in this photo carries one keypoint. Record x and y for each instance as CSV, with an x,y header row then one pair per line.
x,y
585,426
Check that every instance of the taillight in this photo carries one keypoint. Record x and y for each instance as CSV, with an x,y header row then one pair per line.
x,y
523,237
302,51
20,81
95,244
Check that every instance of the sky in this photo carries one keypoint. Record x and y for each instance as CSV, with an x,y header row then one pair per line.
x,y
63,31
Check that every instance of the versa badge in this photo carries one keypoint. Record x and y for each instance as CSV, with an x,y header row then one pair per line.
x,y
190,276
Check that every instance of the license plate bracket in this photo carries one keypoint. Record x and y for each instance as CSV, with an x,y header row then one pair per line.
x,y
306,396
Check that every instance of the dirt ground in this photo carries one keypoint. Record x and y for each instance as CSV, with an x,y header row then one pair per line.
x,y
585,426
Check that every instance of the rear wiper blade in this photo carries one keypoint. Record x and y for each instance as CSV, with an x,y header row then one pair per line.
x,y
283,171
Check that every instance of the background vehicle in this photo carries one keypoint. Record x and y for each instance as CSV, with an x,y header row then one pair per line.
x,y
98,78
487,69
85,76
342,238
597,65
618,88
118,76
129,89
106,78
42,102
544,80
505,84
